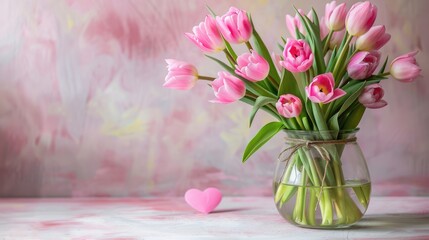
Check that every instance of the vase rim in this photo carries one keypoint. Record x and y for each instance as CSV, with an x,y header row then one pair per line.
x,y
343,131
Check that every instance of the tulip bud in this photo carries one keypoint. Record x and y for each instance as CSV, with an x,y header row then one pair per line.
x,y
324,31
227,88
252,66
360,18
372,95
374,39
181,75
405,68
294,23
206,36
289,106
235,26
363,64
335,16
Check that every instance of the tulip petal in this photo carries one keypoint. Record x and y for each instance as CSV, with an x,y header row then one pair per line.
x,y
337,94
376,105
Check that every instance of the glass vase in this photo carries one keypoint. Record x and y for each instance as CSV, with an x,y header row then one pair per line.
x,y
322,180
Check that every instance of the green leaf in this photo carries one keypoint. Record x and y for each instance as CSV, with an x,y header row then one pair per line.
x,y
260,102
384,66
288,84
333,122
315,19
351,88
309,110
222,64
318,117
299,35
248,100
350,98
332,61
313,33
230,50
211,11
251,101
263,136
354,118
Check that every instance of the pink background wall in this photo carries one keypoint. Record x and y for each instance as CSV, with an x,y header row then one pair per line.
x,y
83,113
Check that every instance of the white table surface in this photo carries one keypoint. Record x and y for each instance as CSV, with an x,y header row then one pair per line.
x,y
398,218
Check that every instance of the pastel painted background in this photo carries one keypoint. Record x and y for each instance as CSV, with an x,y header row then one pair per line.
x,y
83,113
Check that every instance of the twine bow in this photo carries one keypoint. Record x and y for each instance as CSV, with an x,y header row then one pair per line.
x,y
316,144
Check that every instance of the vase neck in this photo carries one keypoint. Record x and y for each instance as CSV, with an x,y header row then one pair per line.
x,y
321,135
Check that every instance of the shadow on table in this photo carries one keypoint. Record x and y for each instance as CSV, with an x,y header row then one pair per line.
x,y
385,222
230,210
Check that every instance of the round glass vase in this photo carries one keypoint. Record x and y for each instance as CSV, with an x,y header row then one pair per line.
x,y
321,179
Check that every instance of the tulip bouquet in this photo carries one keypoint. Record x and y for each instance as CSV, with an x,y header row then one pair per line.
x,y
324,80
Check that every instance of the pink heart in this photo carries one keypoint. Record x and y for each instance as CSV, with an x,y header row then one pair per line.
x,y
203,201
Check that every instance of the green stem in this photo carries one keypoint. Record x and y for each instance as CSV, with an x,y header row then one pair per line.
x,y
323,194
230,58
274,82
310,74
304,197
206,78
301,125
259,90
292,123
343,82
341,59
284,191
312,207
249,46
328,40
300,202
328,111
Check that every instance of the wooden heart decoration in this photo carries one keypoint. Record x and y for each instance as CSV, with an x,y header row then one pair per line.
x,y
203,201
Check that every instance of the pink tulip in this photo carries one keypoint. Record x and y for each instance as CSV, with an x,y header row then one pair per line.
x,y
363,64
181,75
293,23
321,89
335,16
360,18
289,106
372,95
206,36
323,28
235,26
374,39
227,88
252,66
297,56
405,68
